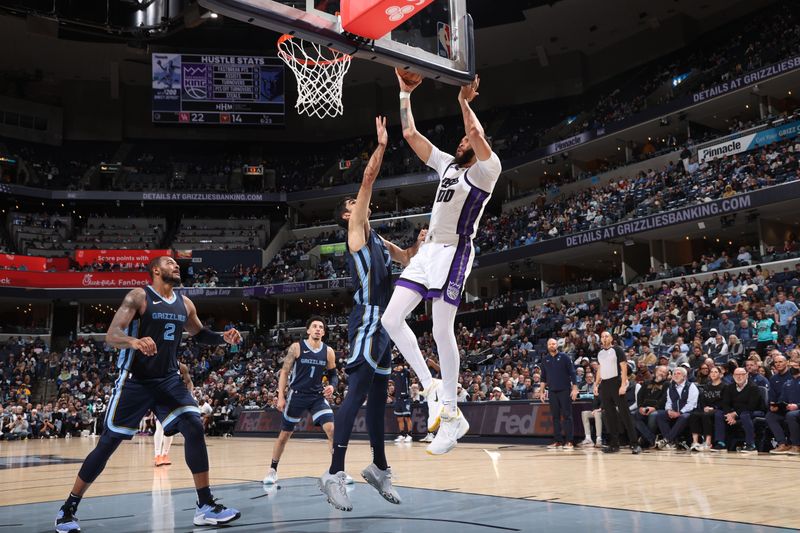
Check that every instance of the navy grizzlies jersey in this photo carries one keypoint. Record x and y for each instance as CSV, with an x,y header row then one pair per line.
x,y
162,321
371,271
309,368
401,380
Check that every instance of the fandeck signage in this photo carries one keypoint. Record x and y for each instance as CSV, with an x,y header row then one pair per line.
x,y
59,280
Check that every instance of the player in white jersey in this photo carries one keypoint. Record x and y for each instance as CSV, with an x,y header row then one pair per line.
x,y
440,269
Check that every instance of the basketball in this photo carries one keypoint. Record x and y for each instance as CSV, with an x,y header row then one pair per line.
x,y
412,79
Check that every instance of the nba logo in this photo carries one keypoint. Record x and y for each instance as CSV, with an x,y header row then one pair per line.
x,y
224,118
183,117
444,40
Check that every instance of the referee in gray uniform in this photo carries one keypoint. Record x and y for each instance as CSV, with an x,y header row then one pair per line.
x,y
612,383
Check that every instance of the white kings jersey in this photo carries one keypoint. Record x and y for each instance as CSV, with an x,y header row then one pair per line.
x,y
462,195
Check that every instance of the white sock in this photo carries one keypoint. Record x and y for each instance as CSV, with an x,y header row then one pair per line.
x,y
158,439
444,318
165,446
404,301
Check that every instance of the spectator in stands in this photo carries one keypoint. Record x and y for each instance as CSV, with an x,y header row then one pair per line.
x,y
783,407
752,366
735,348
497,395
745,330
786,313
650,400
593,413
681,401
701,421
764,328
678,357
739,401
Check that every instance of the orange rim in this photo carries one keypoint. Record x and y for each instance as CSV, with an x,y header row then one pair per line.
x,y
307,62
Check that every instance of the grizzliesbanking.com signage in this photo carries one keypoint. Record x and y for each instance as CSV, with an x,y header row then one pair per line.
x,y
748,79
691,213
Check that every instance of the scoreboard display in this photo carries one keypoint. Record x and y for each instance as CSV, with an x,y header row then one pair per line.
x,y
217,89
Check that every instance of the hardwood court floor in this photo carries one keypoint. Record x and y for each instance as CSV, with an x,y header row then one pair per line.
x,y
728,486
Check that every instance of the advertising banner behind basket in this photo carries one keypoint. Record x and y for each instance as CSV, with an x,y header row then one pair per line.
x,y
121,257
749,142
87,280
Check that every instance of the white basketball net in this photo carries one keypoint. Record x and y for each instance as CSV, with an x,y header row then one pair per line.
x,y
319,71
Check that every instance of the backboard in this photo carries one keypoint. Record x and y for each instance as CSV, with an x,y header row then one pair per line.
x,y
437,42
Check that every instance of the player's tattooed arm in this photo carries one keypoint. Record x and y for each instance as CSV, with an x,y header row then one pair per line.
x,y
418,142
283,380
117,336
472,126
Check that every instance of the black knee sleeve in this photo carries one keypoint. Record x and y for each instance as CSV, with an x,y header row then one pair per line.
x,y
96,461
195,443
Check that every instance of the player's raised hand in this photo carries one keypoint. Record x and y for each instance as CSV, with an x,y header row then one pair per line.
x,y
146,345
408,80
421,237
232,336
380,128
469,91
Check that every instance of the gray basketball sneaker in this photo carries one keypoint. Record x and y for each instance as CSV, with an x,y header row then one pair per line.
x,y
334,487
382,481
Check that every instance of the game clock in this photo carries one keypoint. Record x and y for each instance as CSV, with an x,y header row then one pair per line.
x,y
215,89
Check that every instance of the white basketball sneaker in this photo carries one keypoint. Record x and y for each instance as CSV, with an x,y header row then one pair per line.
x,y
271,478
431,395
452,428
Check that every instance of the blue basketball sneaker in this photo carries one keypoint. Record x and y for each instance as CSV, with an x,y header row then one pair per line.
x,y
66,521
214,514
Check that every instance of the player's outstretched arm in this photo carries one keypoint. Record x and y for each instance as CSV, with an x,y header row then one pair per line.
x,y
472,126
418,142
117,336
404,256
291,356
359,216
202,334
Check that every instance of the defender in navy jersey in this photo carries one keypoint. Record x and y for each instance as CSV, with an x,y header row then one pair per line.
x,y
402,402
147,329
306,363
369,260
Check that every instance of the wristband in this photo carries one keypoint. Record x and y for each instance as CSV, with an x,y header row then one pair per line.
x,y
405,95
206,336
333,377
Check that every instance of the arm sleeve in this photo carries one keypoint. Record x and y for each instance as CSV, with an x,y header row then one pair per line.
x,y
544,369
484,174
668,404
439,161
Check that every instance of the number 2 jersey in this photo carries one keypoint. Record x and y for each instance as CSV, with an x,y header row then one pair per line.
x,y
163,321
462,195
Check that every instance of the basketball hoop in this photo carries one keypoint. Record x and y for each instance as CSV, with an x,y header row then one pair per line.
x,y
319,71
